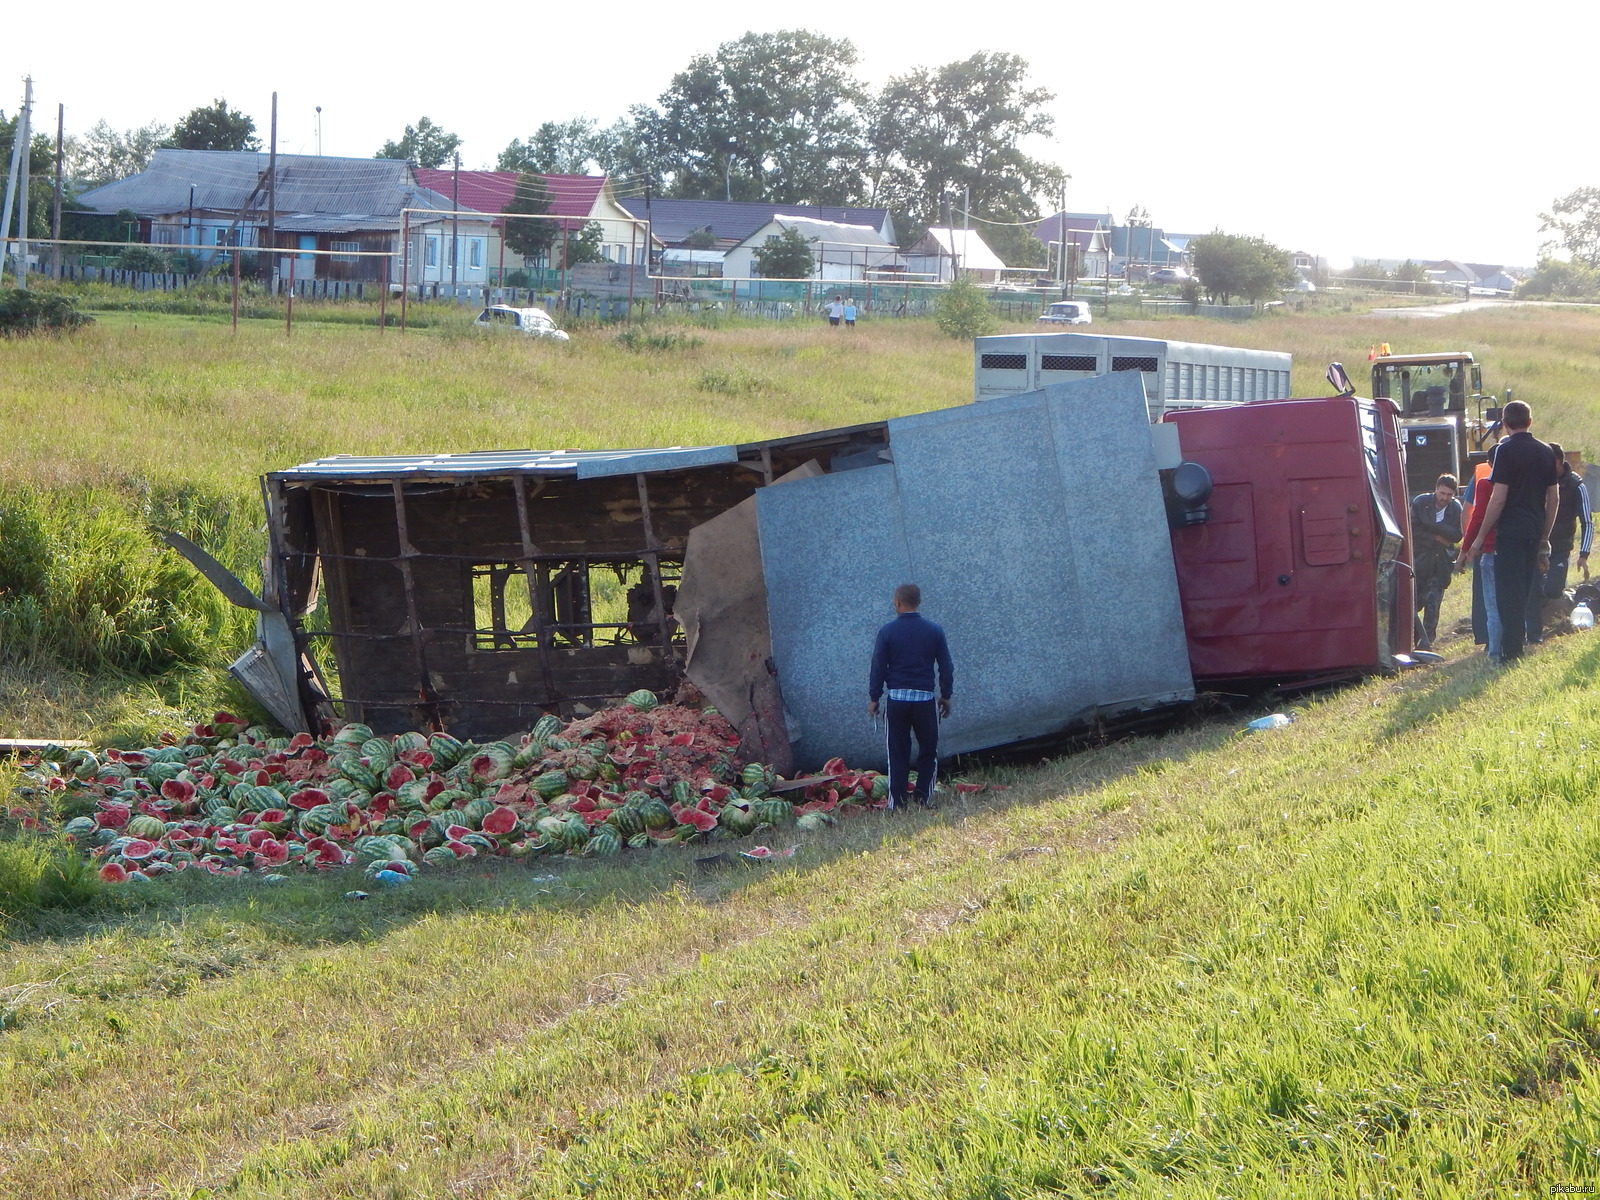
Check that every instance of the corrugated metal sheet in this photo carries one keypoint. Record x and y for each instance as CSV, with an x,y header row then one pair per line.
x,y
223,180
583,464
1006,516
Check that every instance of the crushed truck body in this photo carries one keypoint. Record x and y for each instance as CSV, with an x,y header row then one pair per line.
x,y
1051,532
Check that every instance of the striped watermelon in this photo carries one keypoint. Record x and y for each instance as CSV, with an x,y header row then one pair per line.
x,y
773,812
643,700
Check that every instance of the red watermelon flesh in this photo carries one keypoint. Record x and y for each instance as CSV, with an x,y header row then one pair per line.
x,y
113,872
500,821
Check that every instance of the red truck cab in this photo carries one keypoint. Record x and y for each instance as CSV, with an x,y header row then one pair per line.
x,y
1303,568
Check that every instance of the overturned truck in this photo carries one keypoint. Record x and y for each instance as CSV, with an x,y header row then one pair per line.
x,y
1086,565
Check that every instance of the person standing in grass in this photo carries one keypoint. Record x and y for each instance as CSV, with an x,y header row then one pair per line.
x,y
1522,509
909,651
849,312
1573,517
1435,531
835,310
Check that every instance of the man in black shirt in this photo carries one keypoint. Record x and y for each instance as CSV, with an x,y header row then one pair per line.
x,y
1522,508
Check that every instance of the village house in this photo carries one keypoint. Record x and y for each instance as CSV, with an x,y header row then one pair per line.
x,y
214,200
575,200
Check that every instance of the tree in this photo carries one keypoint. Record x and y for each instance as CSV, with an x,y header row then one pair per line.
x,y
962,310
214,127
422,145
786,255
572,147
531,239
1230,265
584,246
41,169
1562,280
959,130
104,155
771,116
1575,218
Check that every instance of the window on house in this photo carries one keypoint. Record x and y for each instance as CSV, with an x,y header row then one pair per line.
x,y
344,251
475,253
430,253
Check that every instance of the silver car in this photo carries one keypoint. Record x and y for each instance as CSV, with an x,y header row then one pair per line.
x,y
1066,312
534,322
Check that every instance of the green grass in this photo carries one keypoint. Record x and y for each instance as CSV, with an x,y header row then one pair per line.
x,y
1354,957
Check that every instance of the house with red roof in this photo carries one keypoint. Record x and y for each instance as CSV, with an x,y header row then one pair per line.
x,y
575,200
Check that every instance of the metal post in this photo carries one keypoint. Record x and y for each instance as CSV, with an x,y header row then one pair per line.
x,y
24,136
383,295
272,199
288,321
405,266
55,204
633,265
564,300
237,255
455,224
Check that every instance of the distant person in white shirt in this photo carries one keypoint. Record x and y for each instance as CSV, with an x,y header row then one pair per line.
x,y
835,311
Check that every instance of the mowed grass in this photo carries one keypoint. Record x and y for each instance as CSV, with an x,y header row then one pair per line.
x,y
1350,958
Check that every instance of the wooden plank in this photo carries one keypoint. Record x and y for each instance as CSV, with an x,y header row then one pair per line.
x,y
34,745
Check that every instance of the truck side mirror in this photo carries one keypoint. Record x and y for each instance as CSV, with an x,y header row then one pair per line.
x,y
1477,378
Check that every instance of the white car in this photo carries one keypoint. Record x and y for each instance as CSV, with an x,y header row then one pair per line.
x,y
534,322
1066,312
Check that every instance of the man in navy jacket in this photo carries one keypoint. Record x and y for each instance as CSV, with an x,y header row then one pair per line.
x,y
908,650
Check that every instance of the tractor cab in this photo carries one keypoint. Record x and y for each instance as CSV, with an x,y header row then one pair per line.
x,y
1446,422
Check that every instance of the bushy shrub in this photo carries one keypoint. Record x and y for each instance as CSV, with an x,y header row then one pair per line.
x,y
142,258
38,873
29,312
641,340
84,582
962,311
1560,280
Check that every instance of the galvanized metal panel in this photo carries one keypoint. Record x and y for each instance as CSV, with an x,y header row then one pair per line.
x,y
833,551
1034,525
631,462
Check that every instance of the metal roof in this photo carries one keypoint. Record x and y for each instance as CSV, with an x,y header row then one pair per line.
x,y
579,464
224,179
571,196
732,221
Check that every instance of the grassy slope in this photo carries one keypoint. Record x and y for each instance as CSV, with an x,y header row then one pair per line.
x,y
1351,958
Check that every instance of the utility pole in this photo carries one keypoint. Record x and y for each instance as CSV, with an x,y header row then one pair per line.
x,y
55,204
24,136
272,201
11,195
455,221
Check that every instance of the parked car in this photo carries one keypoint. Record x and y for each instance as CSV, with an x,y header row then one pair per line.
x,y
1169,275
1066,312
534,322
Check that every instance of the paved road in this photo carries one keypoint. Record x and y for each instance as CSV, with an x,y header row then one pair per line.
x,y
1446,310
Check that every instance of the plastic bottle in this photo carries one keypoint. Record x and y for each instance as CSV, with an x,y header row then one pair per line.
x,y
1582,617
1275,721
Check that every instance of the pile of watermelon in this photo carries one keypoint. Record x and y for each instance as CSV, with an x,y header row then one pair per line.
x,y
230,800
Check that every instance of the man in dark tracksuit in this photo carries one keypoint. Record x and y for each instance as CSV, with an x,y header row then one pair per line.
x,y
903,661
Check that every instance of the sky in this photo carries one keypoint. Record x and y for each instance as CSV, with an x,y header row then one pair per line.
x,y
1410,129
